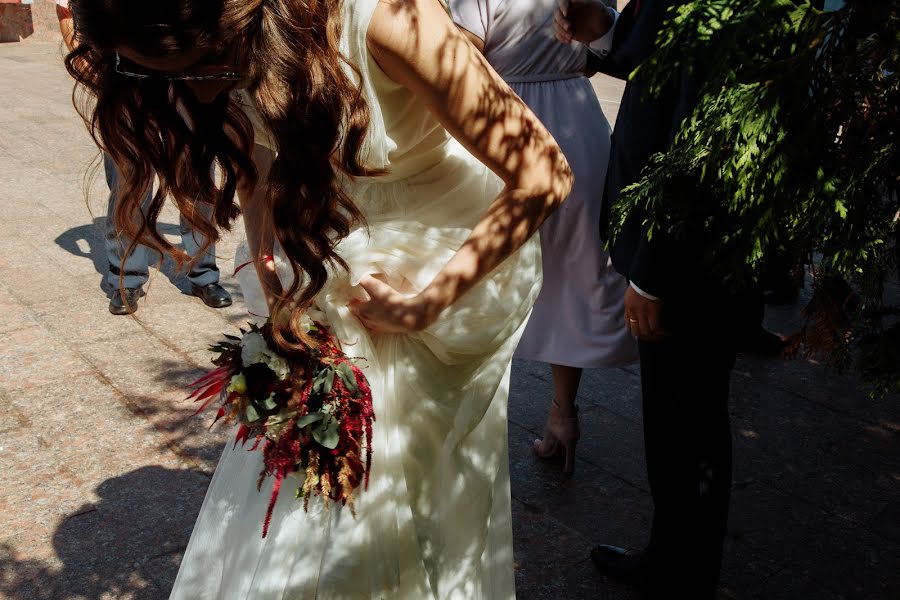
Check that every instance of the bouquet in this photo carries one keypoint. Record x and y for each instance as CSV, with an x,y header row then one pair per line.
x,y
310,410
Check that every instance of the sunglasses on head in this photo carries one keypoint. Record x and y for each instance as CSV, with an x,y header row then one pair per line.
x,y
129,69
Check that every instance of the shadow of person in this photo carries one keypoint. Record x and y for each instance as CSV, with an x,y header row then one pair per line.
x,y
126,545
75,240
92,237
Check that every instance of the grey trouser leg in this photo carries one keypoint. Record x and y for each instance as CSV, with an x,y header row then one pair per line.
x,y
204,270
136,267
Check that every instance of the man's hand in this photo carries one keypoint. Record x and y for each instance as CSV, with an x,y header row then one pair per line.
x,y
581,21
642,316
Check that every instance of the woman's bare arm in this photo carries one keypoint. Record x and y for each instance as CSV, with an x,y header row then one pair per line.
x,y
418,46
258,224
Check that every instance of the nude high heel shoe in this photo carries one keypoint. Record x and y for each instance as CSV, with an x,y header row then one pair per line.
x,y
560,437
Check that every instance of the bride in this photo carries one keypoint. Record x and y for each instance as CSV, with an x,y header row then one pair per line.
x,y
398,182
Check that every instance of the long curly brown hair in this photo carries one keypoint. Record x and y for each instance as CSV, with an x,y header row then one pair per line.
x,y
314,110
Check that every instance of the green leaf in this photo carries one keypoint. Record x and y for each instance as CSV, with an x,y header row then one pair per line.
x,y
252,414
840,208
329,379
319,381
309,419
347,377
327,433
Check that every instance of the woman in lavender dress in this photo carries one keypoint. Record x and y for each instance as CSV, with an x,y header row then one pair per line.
x,y
578,321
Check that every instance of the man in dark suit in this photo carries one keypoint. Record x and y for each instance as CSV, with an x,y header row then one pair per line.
x,y
683,317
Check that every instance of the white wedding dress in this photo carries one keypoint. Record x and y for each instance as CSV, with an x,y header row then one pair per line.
x,y
435,521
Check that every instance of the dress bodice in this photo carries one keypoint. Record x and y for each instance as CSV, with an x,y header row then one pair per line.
x,y
518,37
404,137
414,140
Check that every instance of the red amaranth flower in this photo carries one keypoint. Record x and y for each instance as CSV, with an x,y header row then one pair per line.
x,y
279,458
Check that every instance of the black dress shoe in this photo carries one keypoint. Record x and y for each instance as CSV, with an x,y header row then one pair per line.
x,y
124,302
635,567
212,294
627,566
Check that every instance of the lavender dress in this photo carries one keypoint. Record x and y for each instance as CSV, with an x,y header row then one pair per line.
x,y
578,320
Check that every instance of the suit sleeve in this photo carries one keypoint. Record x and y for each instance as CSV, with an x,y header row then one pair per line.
x,y
660,259
603,46
617,61
656,266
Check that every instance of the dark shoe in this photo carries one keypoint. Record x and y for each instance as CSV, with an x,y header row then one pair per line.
x,y
761,342
124,302
212,294
627,566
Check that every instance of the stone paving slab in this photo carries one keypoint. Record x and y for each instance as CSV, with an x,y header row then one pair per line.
x,y
104,469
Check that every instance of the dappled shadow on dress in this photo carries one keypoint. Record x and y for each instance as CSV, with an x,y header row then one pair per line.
x,y
124,546
435,522
445,423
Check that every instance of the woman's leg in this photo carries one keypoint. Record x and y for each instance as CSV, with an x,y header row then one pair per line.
x,y
561,431
565,388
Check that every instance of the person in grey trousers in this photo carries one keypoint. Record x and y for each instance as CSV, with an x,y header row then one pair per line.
x,y
127,275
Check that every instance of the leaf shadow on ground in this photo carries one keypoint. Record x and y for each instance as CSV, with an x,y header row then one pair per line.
x,y
125,545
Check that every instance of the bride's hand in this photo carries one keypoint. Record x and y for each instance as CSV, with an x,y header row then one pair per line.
x,y
389,311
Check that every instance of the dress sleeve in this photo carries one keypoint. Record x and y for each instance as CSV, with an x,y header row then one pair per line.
x,y
471,15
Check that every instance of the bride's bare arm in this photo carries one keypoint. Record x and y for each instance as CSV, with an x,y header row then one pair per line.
x,y
417,45
257,223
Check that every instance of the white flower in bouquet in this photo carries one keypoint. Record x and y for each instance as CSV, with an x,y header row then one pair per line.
x,y
254,349
306,323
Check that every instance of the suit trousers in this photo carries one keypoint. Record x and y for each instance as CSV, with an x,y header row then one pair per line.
x,y
136,267
687,436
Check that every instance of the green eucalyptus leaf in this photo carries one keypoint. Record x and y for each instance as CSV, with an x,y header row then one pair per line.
x,y
252,413
329,380
309,419
347,377
319,381
327,433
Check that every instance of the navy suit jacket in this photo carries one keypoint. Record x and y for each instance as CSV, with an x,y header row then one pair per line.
x,y
644,127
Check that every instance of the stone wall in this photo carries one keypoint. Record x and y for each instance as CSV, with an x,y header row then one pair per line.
x,y
35,21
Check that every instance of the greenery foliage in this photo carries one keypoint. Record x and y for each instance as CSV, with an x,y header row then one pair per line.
x,y
792,148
